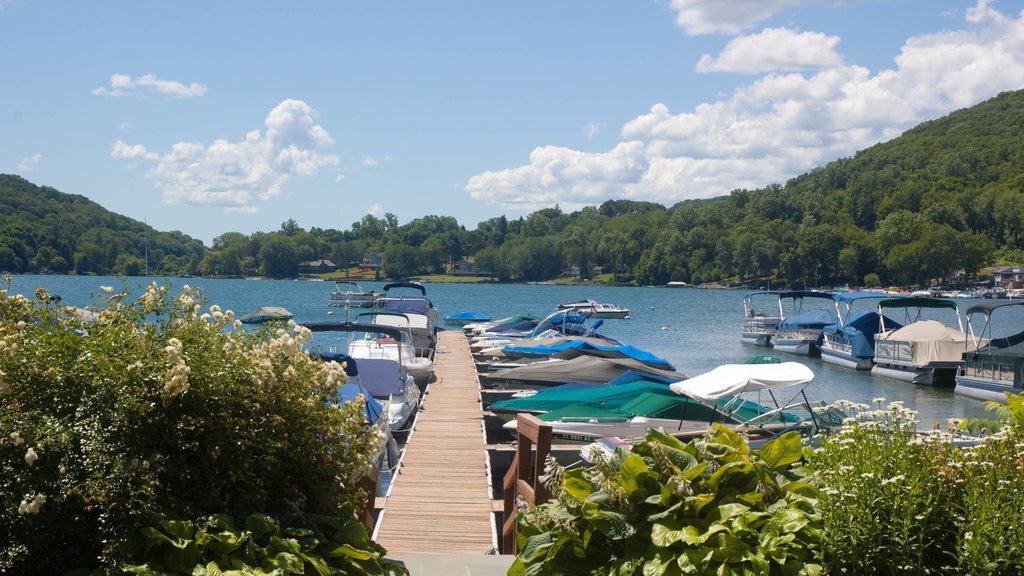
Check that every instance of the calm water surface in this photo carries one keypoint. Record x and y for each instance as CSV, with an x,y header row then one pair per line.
x,y
695,329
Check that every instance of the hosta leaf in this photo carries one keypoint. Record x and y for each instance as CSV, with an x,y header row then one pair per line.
x,y
179,529
536,546
665,535
349,551
290,563
780,452
724,512
657,565
260,525
613,524
576,484
629,475
729,437
792,520
181,559
727,548
732,473
695,472
804,489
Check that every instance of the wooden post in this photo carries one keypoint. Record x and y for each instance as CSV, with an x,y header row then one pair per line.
x,y
533,444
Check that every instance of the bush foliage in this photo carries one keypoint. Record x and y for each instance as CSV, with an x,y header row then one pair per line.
x,y
139,413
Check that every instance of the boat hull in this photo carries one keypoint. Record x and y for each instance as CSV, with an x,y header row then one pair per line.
x,y
980,389
845,359
756,339
930,375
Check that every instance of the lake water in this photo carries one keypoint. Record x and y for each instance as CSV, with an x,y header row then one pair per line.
x,y
695,329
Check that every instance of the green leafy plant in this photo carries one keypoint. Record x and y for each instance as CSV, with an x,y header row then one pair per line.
x,y
215,546
138,412
711,506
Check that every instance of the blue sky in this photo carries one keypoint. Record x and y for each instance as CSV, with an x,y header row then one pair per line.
x,y
213,117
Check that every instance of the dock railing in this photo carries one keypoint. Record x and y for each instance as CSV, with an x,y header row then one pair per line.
x,y
533,444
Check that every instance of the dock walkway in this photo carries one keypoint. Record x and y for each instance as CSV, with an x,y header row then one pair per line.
x,y
440,501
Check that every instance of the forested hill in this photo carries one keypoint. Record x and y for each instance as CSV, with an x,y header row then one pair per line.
x,y
42,229
938,203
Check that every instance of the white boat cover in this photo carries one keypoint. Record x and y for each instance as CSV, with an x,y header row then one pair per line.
x,y
732,379
930,341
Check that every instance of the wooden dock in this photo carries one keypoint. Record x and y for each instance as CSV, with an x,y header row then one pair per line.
x,y
440,502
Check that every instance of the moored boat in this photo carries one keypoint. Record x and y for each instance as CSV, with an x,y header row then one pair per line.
x,y
266,314
745,397
466,317
349,294
597,309
758,325
419,309
800,330
996,365
851,341
922,351
386,379
383,344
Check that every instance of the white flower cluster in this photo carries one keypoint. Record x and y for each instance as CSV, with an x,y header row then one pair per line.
x,y
31,504
216,320
177,372
281,347
153,299
188,302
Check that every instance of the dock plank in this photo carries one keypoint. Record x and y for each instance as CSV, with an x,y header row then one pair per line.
x,y
439,501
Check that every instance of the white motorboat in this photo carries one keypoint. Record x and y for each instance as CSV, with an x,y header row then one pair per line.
x,y
386,379
758,325
349,294
419,309
419,362
597,309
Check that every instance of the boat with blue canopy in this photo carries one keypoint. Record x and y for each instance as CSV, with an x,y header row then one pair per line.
x,y
800,330
850,342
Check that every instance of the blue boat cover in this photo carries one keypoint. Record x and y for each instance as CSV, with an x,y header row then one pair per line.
x,y
584,347
405,306
860,330
468,316
381,377
372,409
808,319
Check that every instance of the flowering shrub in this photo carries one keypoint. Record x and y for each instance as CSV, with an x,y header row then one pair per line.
x,y
148,411
898,501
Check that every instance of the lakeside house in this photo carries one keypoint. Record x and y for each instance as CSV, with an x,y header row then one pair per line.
x,y
317,266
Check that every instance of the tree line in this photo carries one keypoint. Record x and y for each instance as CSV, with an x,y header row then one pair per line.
x,y
937,204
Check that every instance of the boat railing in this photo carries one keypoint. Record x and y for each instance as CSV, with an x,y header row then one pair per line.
x,y
894,350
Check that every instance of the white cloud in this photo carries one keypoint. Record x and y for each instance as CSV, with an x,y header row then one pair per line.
x,y
369,161
339,178
733,16
375,209
126,85
238,175
775,49
591,129
29,162
123,151
774,128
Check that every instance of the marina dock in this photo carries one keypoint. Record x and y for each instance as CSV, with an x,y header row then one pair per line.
x,y
440,500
